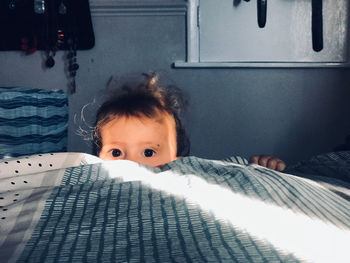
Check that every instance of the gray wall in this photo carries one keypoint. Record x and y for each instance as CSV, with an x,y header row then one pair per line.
x,y
291,113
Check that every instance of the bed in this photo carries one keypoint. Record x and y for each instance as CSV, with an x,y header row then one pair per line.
x,y
60,206
74,207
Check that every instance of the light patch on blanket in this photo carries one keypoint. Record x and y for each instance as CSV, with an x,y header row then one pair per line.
x,y
307,238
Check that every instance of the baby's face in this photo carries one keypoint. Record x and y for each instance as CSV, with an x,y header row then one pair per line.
x,y
150,141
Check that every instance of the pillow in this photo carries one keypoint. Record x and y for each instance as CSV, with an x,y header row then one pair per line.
x,y
32,121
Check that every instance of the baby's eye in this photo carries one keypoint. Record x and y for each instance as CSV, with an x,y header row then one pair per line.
x,y
116,152
148,153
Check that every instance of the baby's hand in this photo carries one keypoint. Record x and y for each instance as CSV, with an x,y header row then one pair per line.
x,y
269,162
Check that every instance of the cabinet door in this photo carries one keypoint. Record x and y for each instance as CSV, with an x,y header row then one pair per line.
x,y
229,32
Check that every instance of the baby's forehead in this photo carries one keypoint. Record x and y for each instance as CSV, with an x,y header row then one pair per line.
x,y
160,123
157,116
161,116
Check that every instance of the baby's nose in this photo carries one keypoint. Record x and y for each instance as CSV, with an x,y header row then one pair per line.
x,y
132,157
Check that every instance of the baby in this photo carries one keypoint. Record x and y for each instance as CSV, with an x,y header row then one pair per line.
x,y
142,124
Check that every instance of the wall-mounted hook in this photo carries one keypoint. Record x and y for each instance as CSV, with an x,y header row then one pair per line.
x,y
261,8
317,25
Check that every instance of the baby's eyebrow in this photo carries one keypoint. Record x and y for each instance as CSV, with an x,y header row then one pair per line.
x,y
150,143
114,143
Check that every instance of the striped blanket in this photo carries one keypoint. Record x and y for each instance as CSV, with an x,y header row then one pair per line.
x,y
32,121
74,207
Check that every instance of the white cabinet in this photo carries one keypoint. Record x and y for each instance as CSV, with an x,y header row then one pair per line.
x,y
226,32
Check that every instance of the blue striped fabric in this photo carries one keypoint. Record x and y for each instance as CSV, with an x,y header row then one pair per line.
x,y
32,121
336,163
92,217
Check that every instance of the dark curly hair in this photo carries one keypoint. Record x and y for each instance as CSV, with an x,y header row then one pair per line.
x,y
144,99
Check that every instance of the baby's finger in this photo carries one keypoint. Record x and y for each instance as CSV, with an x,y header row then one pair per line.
x,y
280,166
263,160
254,159
272,163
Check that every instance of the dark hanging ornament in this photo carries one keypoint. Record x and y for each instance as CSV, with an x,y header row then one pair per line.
x,y
51,52
72,66
51,25
50,62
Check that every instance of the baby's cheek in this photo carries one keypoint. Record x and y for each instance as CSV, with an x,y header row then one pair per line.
x,y
104,156
167,159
